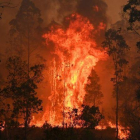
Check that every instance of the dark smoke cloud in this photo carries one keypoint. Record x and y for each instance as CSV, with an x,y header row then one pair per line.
x,y
58,9
55,9
95,10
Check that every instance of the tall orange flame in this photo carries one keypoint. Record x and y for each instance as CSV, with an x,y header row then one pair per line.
x,y
76,53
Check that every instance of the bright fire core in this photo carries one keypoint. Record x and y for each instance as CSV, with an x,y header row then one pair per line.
x,y
75,53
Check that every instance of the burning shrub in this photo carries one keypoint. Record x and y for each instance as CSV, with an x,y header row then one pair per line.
x,y
46,125
91,116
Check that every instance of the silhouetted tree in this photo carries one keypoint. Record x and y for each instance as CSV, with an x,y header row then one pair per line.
x,y
25,37
116,47
132,15
91,116
22,89
130,106
26,32
93,90
5,113
73,116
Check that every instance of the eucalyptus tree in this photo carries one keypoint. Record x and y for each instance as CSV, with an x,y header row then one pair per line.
x,y
131,12
25,33
21,90
25,36
116,47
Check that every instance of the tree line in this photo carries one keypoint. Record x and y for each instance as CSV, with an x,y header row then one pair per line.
x,y
18,94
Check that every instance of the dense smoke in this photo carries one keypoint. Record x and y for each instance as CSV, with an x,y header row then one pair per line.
x,y
94,10
56,11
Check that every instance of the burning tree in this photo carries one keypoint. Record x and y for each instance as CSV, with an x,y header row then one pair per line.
x,y
91,116
74,52
116,47
93,90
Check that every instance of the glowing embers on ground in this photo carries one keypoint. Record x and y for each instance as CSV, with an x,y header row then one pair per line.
x,y
123,132
75,53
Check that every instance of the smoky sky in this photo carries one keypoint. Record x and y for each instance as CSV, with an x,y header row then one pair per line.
x,y
56,10
88,9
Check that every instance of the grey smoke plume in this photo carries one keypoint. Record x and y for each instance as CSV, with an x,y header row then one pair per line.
x,y
94,10
58,9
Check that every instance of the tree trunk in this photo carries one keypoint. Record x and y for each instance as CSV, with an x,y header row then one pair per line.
x,y
7,131
26,123
64,100
117,108
28,60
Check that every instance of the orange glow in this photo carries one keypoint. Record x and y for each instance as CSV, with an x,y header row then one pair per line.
x,y
75,53
123,133
96,8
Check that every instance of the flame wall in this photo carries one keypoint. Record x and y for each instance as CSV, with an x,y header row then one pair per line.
x,y
75,54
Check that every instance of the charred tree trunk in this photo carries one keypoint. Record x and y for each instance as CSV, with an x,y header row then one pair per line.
x,y
117,108
0,134
26,123
116,48
7,131
28,60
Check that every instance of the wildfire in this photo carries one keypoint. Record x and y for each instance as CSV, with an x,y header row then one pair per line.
x,y
123,132
75,53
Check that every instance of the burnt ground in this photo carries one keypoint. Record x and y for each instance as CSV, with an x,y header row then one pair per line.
x,y
56,133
